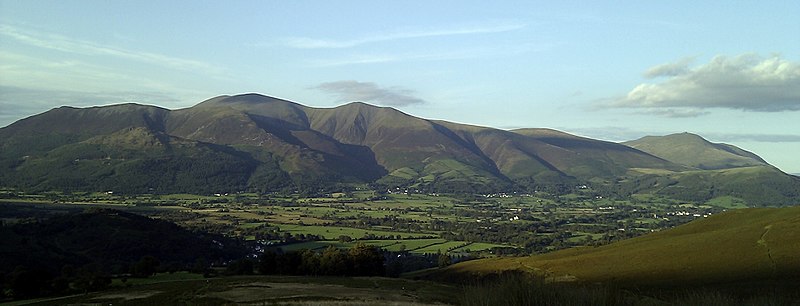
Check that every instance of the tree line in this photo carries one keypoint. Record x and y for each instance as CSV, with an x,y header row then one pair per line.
x,y
359,260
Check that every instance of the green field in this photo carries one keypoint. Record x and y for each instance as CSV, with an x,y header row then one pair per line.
x,y
526,220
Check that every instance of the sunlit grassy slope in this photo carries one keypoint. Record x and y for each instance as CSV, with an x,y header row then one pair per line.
x,y
746,244
694,151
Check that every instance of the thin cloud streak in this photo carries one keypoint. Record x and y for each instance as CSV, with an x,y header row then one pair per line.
x,y
495,51
313,43
69,45
23,71
676,112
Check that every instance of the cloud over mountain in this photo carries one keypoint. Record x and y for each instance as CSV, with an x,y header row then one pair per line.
x,y
745,82
369,92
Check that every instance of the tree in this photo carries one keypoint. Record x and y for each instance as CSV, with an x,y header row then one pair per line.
x,y
288,263
309,262
242,266
145,267
366,260
345,238
92,277
23,282
333,262
267,262
200,266
444,260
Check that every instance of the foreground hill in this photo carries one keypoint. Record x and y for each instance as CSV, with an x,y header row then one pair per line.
x,y
739,245
258,143
110,238
694,151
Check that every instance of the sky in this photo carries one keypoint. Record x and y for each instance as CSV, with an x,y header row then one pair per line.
x,y
726,70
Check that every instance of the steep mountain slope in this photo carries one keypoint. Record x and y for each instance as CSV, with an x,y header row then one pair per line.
x,y
743,244
259,143
694,151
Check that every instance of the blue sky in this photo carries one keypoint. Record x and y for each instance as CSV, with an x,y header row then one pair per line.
x,y
727,70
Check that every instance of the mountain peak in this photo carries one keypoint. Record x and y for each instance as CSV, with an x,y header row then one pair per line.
x,y
248,98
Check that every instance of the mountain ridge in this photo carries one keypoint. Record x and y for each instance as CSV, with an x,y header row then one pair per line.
x,y
262,143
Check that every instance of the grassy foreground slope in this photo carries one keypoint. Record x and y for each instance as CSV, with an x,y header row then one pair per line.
x,y
738,245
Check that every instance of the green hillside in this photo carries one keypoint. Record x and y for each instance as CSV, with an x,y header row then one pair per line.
x,y
134,160
694,151
738,245
756,185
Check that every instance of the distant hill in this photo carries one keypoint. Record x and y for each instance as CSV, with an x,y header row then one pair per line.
x,y
694,151
258,143
739,245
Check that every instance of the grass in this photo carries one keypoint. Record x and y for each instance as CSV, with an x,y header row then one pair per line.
x,y
158,278
521,289
727,202
738,244
267,290
478,246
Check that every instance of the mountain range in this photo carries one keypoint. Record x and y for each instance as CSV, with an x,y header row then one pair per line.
x,y
259,143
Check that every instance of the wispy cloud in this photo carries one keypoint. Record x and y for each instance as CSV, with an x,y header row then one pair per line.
x,y
746,82
316,43
370,93
76,46
676,112
45,74
434,55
